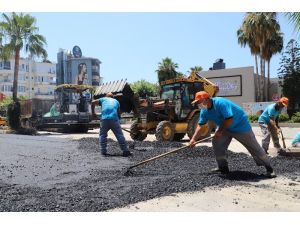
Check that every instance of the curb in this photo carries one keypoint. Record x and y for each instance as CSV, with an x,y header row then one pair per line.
x,y
280,124
4,131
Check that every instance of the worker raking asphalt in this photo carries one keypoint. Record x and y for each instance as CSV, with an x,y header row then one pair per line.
x,y
106,187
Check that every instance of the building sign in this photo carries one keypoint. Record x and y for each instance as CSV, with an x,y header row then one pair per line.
x,y
228,85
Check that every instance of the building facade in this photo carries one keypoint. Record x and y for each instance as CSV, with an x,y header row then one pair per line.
x,y
239,84
73,68
35,79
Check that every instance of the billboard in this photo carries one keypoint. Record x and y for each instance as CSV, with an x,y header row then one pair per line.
x,y
228,85
82,75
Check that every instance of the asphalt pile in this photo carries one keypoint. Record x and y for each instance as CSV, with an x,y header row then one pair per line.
x,y
107,188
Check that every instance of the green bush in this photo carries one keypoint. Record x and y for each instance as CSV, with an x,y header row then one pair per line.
x,y
253,118
283,117
13,115
296,117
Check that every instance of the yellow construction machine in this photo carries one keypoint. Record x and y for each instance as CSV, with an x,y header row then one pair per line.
x,y
170,116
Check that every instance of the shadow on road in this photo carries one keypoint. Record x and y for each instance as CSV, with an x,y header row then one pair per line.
x,y
243,176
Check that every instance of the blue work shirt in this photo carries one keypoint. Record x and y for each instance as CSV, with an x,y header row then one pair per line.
x,y
296,138
109,108
224,109
270,111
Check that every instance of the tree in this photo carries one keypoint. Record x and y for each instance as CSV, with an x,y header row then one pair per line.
x,y
272,46
246,36
289,74
21,33
166,69
144,88
258,31
294,17
196,69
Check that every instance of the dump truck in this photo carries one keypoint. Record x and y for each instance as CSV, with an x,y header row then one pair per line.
x,y
70,111
171,116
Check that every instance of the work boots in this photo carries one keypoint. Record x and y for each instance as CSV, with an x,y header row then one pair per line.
x,y
223,170
270,172
127,153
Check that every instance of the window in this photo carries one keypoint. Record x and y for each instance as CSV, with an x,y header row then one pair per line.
x,y
170,91
6,65
21,89
27,68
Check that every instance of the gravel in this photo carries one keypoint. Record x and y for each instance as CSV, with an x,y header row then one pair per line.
x,y
107,187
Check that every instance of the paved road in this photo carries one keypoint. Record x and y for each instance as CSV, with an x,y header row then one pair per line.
x,y
65,172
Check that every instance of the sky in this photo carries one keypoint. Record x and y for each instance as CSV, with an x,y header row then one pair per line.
x,y
131,44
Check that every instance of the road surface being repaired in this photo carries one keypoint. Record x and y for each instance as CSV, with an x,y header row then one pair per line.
x,y
59,172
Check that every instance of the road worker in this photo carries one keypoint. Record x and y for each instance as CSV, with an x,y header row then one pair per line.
x,y
232,122
268,122
110,114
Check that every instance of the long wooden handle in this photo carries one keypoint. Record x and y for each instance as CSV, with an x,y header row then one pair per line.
x,y
283,141
167,153
127,131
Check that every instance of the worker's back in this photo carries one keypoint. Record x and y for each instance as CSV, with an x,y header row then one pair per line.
x,y
110,107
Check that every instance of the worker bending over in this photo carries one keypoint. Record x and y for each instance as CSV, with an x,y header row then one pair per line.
x,y
232,122
268,122
110,114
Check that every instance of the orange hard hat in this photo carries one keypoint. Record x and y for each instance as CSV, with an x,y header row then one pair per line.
x,y
284,101
200,96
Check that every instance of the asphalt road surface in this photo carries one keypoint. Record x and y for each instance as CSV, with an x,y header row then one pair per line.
x,y
66,172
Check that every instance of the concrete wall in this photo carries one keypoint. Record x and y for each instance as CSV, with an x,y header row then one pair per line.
x,y
237,84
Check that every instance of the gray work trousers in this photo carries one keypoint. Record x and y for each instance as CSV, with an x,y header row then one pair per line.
x,y
268,131
247,139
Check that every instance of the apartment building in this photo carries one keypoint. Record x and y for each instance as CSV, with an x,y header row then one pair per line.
x,y
35,79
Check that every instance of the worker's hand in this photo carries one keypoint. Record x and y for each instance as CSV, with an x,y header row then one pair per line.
x,y
192,143
218,134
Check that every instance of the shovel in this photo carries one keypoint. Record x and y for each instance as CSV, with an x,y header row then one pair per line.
x,y
164,154
282,138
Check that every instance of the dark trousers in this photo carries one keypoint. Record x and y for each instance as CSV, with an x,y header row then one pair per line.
x,y
115,126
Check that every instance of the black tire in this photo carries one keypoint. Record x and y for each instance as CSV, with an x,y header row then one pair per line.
x,y
136,134
164,131
192,125
179,136
83,129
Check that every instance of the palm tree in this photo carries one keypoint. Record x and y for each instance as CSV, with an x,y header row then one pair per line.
x,y
21,33
272,46
294,18
246,37
196,69
166,69
257,29
266,26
